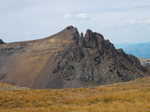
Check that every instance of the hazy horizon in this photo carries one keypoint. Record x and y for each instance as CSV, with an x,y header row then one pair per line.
x,y
120,21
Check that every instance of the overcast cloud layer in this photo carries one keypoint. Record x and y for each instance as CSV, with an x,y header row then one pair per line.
x,y
119,20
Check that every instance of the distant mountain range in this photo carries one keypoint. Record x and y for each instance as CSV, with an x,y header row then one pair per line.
x,y
139,49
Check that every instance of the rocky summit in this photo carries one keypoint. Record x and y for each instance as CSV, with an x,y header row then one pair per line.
x,y
67,59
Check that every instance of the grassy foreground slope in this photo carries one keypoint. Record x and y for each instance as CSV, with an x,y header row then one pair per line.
x,y
133,96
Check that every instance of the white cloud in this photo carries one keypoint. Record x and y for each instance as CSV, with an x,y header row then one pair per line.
x,y
140,21
81,16
67,16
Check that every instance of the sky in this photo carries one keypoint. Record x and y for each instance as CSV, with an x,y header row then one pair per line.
x,y
120,21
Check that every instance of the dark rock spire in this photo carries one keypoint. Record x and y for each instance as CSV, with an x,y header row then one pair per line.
x,y
1,41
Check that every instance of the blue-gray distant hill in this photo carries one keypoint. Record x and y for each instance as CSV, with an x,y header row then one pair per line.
x,y
141,50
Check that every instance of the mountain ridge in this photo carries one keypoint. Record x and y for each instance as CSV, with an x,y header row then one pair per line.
x,y
68,59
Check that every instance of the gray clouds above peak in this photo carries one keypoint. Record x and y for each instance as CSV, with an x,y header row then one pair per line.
x,y
33,19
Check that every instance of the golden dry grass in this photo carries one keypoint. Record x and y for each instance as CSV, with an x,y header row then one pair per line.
x,y
133,96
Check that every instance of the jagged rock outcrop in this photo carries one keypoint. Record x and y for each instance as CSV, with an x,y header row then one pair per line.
x,y
67,60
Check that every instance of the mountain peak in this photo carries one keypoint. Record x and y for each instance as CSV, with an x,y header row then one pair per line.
x,y
71,29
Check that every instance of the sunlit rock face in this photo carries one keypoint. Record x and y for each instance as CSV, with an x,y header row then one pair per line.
x,y
67,59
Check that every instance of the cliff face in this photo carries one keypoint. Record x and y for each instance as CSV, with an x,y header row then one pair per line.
x,y
67,60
